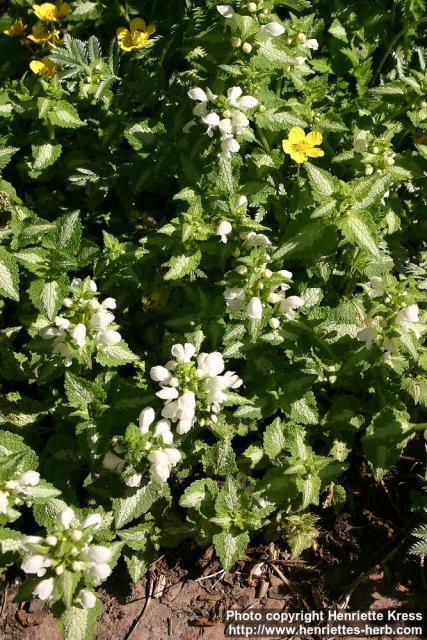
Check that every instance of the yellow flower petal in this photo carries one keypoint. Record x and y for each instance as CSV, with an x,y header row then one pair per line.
x,y
40,33
46,12
296,135
298,156
16,29
37,66
315,152
137,24
287,146
314,138
150,29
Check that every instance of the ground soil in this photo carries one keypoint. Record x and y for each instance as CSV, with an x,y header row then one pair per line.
x,y
360,562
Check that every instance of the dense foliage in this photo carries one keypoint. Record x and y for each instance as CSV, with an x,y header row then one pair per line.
x,y
243,185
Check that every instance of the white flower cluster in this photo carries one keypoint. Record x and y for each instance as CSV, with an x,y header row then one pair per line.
x,y
190,390
265,31
162,458
89,319
68,550
12,491
405,320
263,289
231,119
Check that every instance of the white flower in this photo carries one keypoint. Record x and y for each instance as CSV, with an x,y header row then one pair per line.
x,y
87,598
210,364
108,338
223,230
92,286
274,323
101,319
29,478
235,298
375,288
198,94
228,146
48,333
168,393
242,201
183,353
98,572
160,374
360,143
113,463
109,303
146,418
408,314
65,518
36,564
239,121
226,11
270,30
163,431
31,540
257,240
4,503
235,98
173,455
368,335
254,308
75,282
44,589
311,43
91,520
134,480
300,60
97,554
78,334
289,305
62,323
212,120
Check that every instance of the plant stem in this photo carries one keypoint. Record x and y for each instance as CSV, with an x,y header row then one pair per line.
x,y
419,427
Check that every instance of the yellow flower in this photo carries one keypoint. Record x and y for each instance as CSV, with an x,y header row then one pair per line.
x,y
43,67
49,12
136,36
40,33
300,146
16,29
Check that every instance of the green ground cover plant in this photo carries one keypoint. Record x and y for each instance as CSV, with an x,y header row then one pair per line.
x,y
213,276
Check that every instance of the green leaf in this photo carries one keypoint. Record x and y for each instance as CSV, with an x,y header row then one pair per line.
x,y
6,154
357,230
65,115
321,181
47,296
180,266
77,623
67,232
385,438
304,411
198,490
115,355
271,120
45,155
338,31
274,439
10,540
230,547
80,392
9,276
127,509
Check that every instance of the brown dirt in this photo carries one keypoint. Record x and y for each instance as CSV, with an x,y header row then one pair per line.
x,y
182,606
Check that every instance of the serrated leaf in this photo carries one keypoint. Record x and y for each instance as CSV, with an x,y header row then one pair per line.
x,y
230,547
127,509
385,438
45,155
80,392
6,154
77,623
274,439
115,355
194,495
47,296
321,181
180,266
65,115
9,276
357,231
278,120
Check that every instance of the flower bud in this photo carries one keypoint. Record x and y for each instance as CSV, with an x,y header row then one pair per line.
x,y
301,37
87,598
67,302
51,541
369,170
241,270
76,535
59,570
235,42
274,323
252,7
246,47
